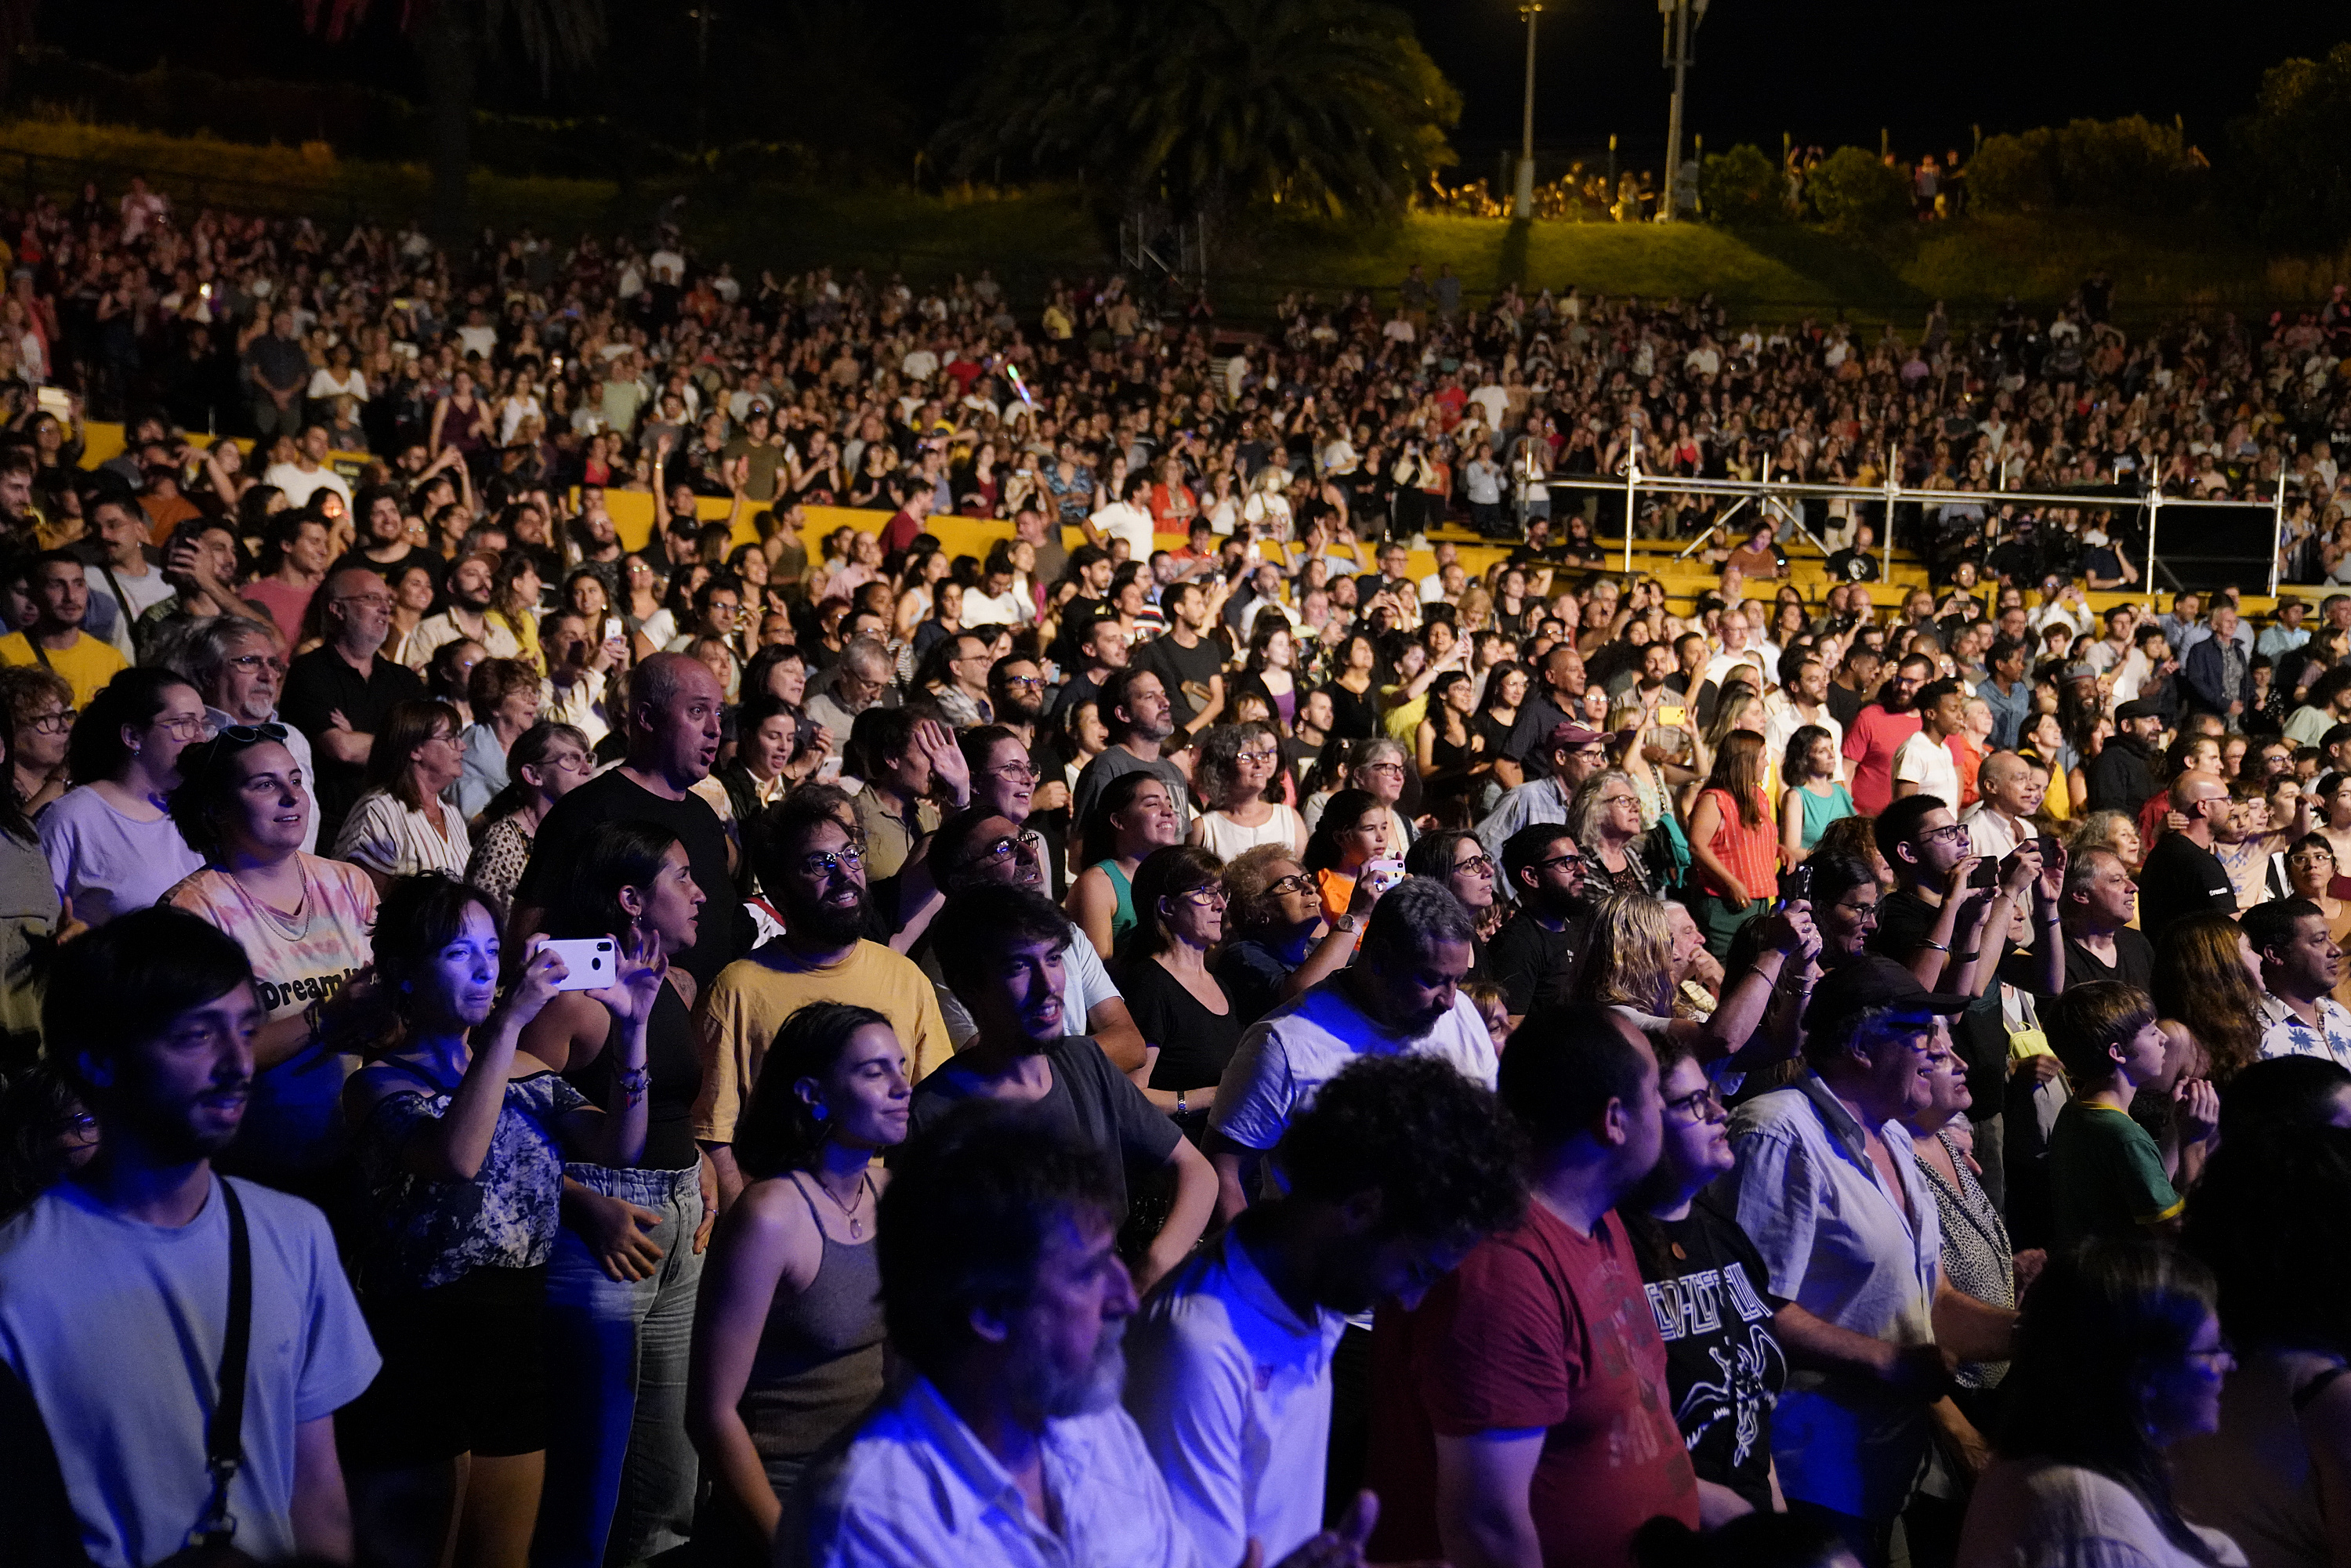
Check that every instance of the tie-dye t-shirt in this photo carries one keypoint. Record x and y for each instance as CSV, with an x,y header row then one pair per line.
x,y
293,1125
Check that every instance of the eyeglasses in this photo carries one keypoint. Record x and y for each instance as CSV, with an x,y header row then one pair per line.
x,y
1394,767
1620,800
1296,882
1560,859
1001,852
250,734
1698,1105
1034,682
52,723
250,663
191,728
1476,865
1211,895
1951,833
1016,773
1269,755
824,863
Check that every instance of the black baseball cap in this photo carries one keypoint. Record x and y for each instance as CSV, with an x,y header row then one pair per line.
x,y
1873,981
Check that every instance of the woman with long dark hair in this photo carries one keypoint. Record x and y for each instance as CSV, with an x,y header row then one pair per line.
x,y
1733,847
788,1330
1132,817
2118,1357
1352,832
461,1139
1175,998
620,1475
111,844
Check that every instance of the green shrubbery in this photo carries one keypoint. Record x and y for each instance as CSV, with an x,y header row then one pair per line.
x,y
1742,185
1852,188
2131,165
2292,149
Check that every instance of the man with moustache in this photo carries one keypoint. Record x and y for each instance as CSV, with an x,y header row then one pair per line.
x,y
129,1286
338,693
1878,731
814,873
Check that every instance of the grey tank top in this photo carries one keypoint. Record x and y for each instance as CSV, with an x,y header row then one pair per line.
x,y
818,1364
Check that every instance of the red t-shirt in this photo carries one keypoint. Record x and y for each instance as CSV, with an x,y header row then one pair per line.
x,y
1871,742
1538,1328
899,532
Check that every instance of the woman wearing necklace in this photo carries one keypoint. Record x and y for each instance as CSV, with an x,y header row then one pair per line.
x,y
111,844
788,1333
461,1139
245,806
620,1284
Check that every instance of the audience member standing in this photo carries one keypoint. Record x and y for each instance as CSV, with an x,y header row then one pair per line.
x,y
306,926
118,1284
338,694
788,1333
111,844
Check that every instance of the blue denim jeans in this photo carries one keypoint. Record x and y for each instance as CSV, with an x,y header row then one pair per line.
x,y
621,1471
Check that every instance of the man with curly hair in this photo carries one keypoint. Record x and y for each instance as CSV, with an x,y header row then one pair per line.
x,y
1397,1169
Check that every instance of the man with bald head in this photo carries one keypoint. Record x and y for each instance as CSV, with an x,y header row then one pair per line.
x,y
339,693
2008,794
671,720
2182,875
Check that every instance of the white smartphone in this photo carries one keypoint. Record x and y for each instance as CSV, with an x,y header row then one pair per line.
x,y
590,963
612,627
1384,874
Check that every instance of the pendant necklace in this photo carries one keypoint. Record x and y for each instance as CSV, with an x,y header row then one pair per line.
x,y
849,1209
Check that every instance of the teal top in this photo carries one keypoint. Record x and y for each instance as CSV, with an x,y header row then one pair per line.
x,y
1122,918
1820,810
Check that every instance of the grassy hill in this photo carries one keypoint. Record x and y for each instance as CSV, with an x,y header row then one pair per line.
x,y
1778,272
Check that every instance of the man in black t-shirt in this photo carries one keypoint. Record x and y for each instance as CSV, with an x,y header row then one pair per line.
x,y
2182,875
1188,660
338,693
673,706
1534,956
2100,901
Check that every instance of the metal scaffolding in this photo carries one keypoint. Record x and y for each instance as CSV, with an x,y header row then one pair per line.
x,y
1775,497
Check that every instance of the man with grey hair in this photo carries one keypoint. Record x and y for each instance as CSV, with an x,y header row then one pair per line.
x,y
239,666
1401,997
672,723
860,679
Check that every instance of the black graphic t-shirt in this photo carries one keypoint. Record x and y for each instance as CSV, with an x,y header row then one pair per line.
x,y
1722,1362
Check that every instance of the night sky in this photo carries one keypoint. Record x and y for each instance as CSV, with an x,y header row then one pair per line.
x,y
1828,71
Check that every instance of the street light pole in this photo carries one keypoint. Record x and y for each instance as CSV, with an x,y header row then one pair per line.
x,y
1522,201
1682,17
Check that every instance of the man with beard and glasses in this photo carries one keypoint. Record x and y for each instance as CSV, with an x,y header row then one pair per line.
x,y
469,591
979,847
1003,949
1003,1444
671,719
115,1283
814,873
1534,956
1400,1166
1878,731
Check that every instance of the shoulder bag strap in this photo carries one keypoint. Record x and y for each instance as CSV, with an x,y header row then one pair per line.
x,y
224,1436
130,615
39,652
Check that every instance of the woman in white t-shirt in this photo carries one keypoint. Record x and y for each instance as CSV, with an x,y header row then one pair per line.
x,y
111,845
304,923
1237,762
399,826
338,378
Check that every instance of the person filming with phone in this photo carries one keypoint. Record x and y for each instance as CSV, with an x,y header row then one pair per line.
x,y
1944,891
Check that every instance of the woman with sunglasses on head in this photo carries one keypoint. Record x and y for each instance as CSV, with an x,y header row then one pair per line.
x,y
304,920
1186,1017
1236,763
111,843
620,1284
787,1341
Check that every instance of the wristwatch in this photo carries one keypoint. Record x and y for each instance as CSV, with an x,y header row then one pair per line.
x,y
1181,1108
1344,923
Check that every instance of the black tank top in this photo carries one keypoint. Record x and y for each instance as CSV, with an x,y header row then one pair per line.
x,y
675,1069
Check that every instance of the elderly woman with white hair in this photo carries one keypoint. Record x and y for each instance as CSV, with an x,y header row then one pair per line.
x,y
1379,767
1605,815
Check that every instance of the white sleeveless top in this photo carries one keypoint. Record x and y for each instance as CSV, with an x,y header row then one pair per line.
x,y
1226,838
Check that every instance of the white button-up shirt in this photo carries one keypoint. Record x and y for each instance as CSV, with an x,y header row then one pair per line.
x,y
1838,1243
915,1487
2284,1034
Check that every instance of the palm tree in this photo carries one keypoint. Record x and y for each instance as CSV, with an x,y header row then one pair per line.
x,y
1203,107
451,39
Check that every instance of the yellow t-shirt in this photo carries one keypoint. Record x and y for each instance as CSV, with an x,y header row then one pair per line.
x,y
86,666
752,998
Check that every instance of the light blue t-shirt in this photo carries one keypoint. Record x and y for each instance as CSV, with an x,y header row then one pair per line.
x,y
115,1328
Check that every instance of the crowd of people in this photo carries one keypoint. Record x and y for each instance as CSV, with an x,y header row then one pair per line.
x,y
1181,1037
